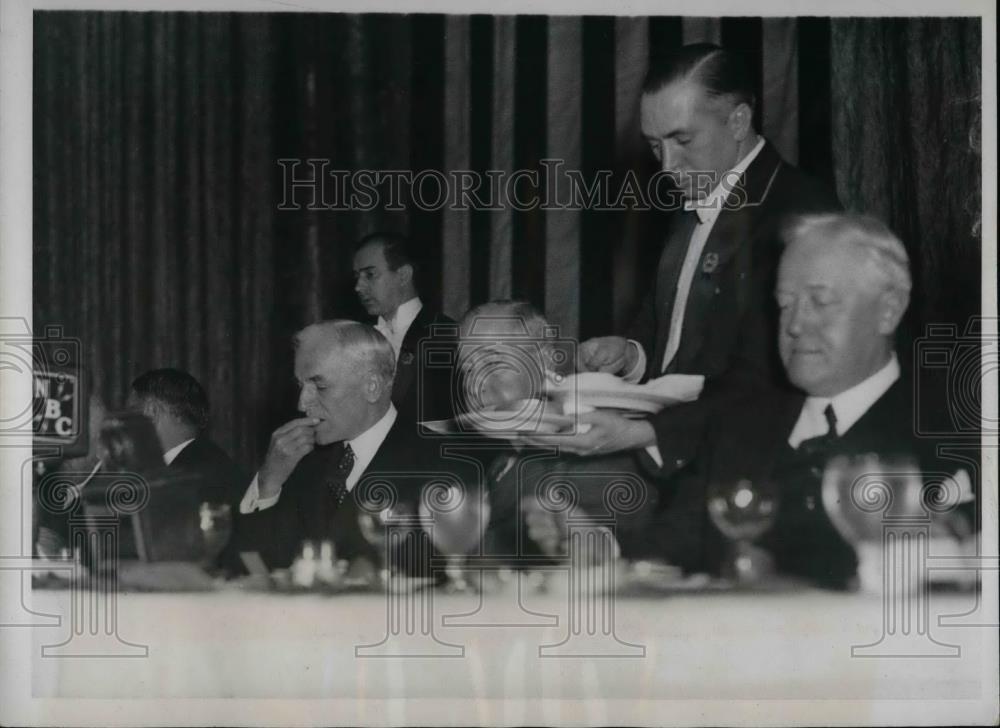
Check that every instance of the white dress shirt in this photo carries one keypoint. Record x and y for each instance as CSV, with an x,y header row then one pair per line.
x,y
395,327
707,211
848,406
364,447
170,455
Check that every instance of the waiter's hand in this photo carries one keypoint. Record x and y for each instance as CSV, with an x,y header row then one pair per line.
x,y
289,443
599,433
611,354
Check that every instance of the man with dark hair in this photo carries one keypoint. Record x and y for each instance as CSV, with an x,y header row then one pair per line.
x,y
178,407
385,273
711,311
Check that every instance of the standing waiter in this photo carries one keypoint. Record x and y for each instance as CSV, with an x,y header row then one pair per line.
x,y
711,310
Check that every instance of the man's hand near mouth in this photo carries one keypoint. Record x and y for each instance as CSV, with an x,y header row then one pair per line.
x,y
289,444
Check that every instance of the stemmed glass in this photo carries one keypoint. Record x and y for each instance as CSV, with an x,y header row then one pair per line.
x,y
374,529
869,499
216,524
456,521
743,511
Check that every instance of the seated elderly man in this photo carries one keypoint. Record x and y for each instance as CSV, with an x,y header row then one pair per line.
x,y
507,355
843,287
350,434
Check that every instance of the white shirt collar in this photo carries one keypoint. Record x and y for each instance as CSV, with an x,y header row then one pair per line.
x,y
367,444
709,208
170,455
399,322
848,406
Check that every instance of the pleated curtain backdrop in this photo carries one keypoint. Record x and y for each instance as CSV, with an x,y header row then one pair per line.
x,y
153,201
909,151
158,236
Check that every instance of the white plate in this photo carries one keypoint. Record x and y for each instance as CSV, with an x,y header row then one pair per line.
x,y
610,400
504,424
510,424
597,389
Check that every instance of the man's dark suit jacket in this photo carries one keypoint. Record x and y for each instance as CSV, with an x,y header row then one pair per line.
x,y
516,476
435,401
308,509
751,442
223,480
730,321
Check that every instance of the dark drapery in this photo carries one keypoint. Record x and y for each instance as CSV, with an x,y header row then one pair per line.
x,y
906,138
158,238
157,235
153,164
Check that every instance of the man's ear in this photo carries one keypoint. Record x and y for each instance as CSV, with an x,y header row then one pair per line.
x,y
405,273
892,306
740,120
152,409
372,387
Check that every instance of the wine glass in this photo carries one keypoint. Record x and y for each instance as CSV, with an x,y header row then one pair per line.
x,y
870,499
373,530
398,554
216,524
455,519
743,511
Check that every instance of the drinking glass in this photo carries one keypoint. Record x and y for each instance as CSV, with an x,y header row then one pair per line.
x,y
743,511
456,521
395,554
874,502
216,523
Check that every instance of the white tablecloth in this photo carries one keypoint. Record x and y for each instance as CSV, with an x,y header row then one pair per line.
x,y
789,646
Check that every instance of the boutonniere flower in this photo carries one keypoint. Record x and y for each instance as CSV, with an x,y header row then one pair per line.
x,y
406,357
710,263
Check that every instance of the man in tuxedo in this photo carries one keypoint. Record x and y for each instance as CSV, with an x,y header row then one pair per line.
x,y
320,468
385,273
843,286
710,311
178,407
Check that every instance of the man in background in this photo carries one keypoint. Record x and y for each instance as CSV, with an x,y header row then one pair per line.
x,y
385,273
178,407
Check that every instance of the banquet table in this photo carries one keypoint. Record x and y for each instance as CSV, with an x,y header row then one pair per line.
x,y
786,644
